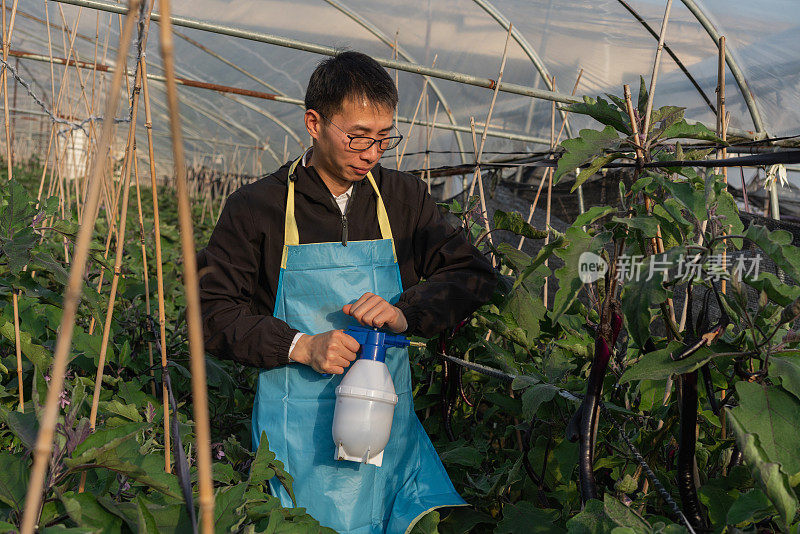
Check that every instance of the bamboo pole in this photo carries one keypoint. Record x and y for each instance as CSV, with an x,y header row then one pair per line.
x,y
162,322
130,155
722,132
193,321
44,438
544,175
656,64
414,117
549,192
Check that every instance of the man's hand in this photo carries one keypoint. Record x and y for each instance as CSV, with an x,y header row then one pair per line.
x,y
372,310
330,352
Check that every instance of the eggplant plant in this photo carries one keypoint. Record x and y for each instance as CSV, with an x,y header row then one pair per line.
x,y
682,341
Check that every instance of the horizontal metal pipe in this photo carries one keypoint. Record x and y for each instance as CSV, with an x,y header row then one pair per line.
x,y
269,96
267,38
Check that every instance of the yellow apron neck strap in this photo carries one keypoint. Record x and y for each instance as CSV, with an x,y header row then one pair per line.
x,y
291,236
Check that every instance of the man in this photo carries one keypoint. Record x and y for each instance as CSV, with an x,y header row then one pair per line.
x,y
329,241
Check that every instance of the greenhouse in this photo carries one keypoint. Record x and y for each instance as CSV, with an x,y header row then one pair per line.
x,y
461,266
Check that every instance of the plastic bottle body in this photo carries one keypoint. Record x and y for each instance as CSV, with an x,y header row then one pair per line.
x,y
362,420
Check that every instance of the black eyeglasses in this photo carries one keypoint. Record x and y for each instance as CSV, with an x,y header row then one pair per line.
x,y
361,143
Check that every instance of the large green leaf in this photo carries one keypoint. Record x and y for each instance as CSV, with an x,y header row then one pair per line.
x,y
777,245
525,516
603,112
37,354
569,280
771,414
624,516
592,214
592,520
658,365
593,167
787,368
535,396
466,455
767,472
684,130
226,503
266,465
84,509
526,311
13,480
583,149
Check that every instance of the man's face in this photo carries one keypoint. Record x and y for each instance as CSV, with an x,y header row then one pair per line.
x,y
332,154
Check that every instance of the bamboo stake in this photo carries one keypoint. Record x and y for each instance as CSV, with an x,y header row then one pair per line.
x,y
414,117
130,155
145,273
193,321
44,438
544,175
479,152
162,322
722,132
549,190
656,64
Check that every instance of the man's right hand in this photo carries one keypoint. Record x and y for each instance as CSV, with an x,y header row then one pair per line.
x,y
330,352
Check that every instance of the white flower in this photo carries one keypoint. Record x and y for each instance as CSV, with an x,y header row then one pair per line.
x,y
776,172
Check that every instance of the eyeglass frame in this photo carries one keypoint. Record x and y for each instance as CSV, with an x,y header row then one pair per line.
x,y
352,137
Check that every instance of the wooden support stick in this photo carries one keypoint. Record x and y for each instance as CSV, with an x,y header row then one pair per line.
x,y
44,438
656,64
722,132
162,321
193,320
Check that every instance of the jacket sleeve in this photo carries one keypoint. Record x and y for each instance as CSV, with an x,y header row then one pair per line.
x,y
230,271
455,277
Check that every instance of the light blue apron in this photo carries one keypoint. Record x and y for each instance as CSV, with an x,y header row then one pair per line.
x,y
294,404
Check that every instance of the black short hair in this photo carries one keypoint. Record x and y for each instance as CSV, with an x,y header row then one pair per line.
x,y
349,74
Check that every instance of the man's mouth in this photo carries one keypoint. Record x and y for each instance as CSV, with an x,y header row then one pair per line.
x,y
360,170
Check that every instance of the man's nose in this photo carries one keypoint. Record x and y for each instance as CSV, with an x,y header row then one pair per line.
x,y
371,154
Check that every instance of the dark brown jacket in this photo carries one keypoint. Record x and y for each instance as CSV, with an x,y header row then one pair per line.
x,y
444,277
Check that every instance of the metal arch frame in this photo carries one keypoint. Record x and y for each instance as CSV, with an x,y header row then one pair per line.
x,y
374,30
520,39
744,89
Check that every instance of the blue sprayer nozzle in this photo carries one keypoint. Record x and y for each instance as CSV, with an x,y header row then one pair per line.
x,y
374,342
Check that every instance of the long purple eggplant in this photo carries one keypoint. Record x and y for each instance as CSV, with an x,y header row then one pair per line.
x,y
687,442
589,410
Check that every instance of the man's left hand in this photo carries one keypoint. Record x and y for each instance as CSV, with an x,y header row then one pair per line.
x,y
372,310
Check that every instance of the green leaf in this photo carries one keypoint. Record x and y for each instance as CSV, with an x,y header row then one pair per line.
x,y
787,368
37,354
750,507
624,516
596,164
603,112
592,214
467,456
266,464
569,280
24,425
583,149
427,524
226,503
128,411
592,520
777,245
463,520
771,414
526,311
768,473
84,509
146,523
103,440
525,516
535,396
641,102
692,199
659,365
13,480
641,291
684,130
513,222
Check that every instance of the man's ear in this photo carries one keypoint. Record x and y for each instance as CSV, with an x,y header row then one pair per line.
x,y
313,122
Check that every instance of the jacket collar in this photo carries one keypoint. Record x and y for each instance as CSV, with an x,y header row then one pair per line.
x,y
310,185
